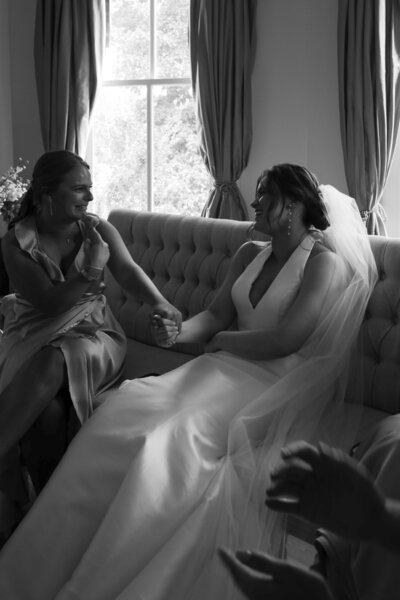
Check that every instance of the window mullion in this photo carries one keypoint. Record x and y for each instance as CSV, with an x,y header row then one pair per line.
x,y
150,111
150,199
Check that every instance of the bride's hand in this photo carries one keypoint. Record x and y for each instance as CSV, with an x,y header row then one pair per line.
x,y
165,331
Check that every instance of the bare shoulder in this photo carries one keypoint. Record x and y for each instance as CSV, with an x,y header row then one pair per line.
x,y
322,255
323,263
106,229
247,252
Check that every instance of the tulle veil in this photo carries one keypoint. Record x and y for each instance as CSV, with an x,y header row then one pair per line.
x,y
309,402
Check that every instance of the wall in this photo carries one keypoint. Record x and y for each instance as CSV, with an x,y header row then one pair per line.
x,y
295,91
391,195
6,137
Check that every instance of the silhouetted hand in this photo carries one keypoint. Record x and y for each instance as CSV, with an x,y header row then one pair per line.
x,y
261,577
325,486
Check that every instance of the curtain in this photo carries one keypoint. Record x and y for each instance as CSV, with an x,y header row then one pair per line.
x,y
222,53
369,97
69,45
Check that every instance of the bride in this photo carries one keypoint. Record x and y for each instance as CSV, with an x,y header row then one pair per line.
x,y
169,468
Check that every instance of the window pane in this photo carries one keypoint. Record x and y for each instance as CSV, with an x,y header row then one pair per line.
x,y
119,149
181,182
172,20
128,55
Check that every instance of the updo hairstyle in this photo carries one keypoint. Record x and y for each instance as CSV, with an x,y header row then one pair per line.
x,y
299,185
49,171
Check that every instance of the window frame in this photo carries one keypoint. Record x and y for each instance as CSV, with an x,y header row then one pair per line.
x,y
150,83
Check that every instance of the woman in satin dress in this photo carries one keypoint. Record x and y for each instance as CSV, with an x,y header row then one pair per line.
x,y
61,345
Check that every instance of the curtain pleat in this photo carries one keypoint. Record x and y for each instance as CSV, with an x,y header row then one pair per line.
x,y
369,98
222,56
69,47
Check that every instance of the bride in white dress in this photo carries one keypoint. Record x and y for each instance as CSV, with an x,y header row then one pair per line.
x,y
170,468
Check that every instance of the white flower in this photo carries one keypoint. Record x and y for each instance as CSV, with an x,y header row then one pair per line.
x,y
12,189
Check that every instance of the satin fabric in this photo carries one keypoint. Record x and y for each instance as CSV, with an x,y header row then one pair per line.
x,y
88,335
158,478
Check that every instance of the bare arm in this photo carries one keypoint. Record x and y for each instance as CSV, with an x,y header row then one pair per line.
x,y
221,311
289,336
131,277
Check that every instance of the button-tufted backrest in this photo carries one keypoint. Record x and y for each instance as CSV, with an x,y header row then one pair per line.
x,y
186,257
380,332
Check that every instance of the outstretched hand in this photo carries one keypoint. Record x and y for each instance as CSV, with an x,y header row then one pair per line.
x,y
325,486
259,576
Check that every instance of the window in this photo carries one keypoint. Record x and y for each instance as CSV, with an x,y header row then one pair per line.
x,y
144,137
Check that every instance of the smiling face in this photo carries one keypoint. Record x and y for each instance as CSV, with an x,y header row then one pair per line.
x,y
69,201
270,210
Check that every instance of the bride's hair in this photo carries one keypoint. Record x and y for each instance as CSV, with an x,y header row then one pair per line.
x,y
298,184
48,173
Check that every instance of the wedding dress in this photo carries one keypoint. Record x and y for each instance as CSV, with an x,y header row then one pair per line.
x,y
170,468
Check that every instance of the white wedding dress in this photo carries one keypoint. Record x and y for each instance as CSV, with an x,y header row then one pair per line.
x,y
169,468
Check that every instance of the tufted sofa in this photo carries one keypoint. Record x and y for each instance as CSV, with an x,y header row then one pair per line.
x,y
188,257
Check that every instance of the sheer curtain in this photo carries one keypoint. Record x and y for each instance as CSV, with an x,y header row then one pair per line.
x,y
69,45
221,47
369,96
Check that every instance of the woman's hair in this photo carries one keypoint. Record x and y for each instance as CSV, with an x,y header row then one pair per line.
x,y
298,184
48,173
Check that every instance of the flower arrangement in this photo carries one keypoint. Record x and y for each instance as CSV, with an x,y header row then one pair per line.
x,y
12,189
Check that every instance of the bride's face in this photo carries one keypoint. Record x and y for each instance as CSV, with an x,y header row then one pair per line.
x,y
270,212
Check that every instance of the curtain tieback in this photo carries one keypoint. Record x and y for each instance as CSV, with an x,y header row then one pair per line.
x,y
378,210
226,186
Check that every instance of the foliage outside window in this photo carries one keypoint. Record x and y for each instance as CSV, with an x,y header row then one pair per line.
x,y
144,139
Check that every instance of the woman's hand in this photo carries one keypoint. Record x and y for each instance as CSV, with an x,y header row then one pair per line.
x,y
165,331
324,485
260,576
96,249
167,311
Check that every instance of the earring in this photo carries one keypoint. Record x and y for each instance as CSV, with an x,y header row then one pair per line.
x,y
289,221
51,206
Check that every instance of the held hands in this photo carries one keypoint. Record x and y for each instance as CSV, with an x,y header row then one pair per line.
x,y
325,486
260,576
166,322
96,249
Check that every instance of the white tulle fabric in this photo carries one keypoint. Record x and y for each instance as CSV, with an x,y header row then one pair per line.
x,y
170,468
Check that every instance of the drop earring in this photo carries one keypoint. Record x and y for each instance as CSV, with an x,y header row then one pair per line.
x,y
51,207
289,220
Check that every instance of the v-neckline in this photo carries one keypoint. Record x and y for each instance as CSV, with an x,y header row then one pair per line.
x,y
277,276
63,272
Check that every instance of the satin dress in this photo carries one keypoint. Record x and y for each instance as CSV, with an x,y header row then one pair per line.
x,y
88,335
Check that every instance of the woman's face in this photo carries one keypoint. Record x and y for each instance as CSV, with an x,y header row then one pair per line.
x,y
70,200
267,220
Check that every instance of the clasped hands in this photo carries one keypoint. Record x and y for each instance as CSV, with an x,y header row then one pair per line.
x,y
166,324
